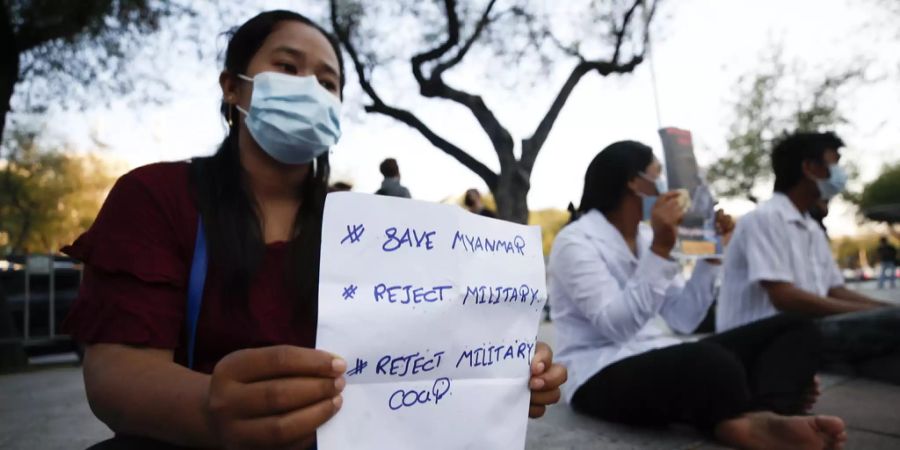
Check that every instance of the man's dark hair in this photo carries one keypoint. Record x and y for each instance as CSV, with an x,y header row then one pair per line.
x,y
790,153
389,168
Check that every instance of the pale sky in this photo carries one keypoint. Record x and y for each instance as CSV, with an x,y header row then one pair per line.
x,y
698,55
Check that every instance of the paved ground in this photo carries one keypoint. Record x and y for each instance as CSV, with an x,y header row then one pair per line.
x,y
46,409
870,409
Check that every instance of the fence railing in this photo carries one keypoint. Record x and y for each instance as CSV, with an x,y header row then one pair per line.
x,y
39,293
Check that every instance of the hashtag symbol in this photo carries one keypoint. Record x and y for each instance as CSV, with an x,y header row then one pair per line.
x,y
349,292
354,233
358,368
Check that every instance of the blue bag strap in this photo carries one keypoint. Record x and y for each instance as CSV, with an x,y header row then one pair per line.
x,y
195,290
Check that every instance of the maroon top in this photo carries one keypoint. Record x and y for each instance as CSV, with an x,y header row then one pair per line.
x,y
137,258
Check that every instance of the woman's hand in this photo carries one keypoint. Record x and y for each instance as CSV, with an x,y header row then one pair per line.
x,y
664,219
546,378
724,226
274,396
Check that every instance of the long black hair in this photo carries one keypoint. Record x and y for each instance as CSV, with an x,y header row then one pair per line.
x,y
228,209
607,177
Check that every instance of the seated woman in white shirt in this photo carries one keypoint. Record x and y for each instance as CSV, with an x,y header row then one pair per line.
x,y
616,297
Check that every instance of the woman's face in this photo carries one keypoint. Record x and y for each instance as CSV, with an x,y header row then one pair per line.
x,y
645,184
291,48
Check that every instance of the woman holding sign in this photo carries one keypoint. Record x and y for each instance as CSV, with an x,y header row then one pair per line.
x,y
617,294
198,305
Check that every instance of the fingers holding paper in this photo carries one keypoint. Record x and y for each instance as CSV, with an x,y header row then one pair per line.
x,y
546,378
274,396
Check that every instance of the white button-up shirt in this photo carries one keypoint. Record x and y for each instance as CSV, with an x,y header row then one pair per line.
x,y
607,304
775,242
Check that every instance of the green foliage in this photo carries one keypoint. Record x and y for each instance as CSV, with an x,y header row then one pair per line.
x,y
750,136
47,198
882,192
772,102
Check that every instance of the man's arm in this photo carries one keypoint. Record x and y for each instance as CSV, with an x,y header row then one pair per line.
x,y
788,298
850,295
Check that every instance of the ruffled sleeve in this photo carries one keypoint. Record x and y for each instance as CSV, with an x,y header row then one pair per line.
x,y
136,269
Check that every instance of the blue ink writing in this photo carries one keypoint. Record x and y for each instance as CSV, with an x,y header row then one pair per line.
x,y
475,244
403,398
411,364
354,233
488,355
357,368
409,238
405,294
492,295
349,292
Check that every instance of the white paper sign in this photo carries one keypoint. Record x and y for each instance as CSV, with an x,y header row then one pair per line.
x,y
436,311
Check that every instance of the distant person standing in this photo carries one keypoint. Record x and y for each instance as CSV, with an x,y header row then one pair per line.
x,y
887,256
475,205
391,185
340,186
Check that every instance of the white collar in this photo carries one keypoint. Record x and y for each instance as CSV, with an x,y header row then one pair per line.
x,y
782,204
596,227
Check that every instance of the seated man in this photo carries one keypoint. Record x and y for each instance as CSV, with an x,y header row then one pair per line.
x,y
779,260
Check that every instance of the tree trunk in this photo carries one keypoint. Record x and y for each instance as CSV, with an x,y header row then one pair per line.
x,y
511,193
9,61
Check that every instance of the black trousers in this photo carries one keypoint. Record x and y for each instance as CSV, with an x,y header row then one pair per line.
x,y
865,343
764,366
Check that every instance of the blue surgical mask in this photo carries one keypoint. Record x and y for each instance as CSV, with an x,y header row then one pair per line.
x,y
833,185
293,118
648,201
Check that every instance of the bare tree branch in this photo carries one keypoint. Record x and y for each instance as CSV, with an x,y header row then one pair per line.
x,y
532,145
569,50
435,87
490,178
510,186
648,19
620,33
482,24
453,27
410,119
